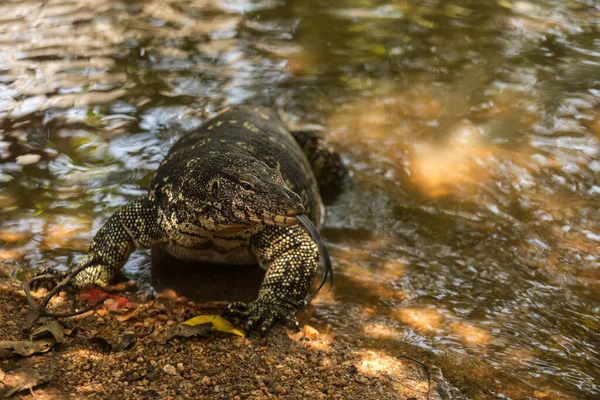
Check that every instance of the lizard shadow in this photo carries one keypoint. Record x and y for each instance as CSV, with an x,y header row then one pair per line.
x,y
203,282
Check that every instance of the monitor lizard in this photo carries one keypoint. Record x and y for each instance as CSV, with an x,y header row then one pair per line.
x,y
230,192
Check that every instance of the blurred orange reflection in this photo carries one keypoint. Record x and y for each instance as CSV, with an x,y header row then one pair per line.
x,y
423,320
438,168
470,333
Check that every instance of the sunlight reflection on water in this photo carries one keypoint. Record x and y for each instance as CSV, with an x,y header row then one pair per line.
x,y
470,233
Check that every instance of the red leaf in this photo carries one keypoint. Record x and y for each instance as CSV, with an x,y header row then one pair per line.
x,y
92,295
122,302
95,296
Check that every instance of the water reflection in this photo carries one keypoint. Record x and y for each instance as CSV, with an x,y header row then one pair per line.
x,y
469,236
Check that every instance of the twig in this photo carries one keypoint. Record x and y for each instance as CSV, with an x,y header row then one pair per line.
x,y
213,304
419,363
41,309
399,382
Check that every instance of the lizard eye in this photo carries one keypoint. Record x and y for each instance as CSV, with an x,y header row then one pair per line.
x,y
246,186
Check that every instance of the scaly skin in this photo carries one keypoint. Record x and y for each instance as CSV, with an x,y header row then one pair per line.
x,y
228,193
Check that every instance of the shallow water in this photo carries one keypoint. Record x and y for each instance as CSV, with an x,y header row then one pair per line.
x,y
469,237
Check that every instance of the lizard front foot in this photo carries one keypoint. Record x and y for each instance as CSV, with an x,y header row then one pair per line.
x,y
263,315
47,278
90,273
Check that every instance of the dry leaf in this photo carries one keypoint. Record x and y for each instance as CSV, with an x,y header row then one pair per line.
x,y
116,343
183,331
9,348
128,316
27,381
110,304
52,328
101,312
72,332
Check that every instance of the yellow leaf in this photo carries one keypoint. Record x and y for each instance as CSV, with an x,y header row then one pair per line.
x,y
218,323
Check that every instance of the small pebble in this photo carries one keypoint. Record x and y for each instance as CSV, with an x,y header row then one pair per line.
x,y
310,332
169,369
28,159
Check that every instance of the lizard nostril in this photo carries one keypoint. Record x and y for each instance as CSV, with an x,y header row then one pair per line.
x,y
292,207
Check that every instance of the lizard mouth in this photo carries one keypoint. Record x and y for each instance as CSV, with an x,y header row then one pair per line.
x,y
275,219
284,220
287,219
280,220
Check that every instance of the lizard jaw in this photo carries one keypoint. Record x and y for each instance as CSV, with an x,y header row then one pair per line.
x,y
275,220
284,220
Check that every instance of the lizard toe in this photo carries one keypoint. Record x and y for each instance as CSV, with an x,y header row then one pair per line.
x,y
237,308
263,316
292,323
252,322
47,278
236,311
267,324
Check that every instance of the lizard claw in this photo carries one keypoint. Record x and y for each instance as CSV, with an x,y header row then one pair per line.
x,y
236,310
293,324
263,315
47,278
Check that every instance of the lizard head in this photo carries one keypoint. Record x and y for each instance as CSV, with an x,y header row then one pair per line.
x,y
247,191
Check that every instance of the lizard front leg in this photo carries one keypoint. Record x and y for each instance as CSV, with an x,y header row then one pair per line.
x,y
135,225
291,259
